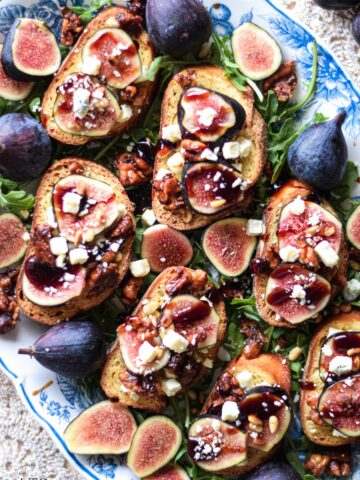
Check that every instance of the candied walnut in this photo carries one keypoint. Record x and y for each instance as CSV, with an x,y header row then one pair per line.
x,y
128,93
138,7
186,79
130,23
255,338
41,240
225,384
170,192
131,290
140,384
315,417
184,368
9,310
336,462
71,28
192,150
123,227
133,170
185,281
317,464
283,81
231,290
103,278
309,257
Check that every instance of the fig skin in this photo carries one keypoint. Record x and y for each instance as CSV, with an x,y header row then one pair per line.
x,y
25,147
11,89
178,27
320,154
353,228
337,4
355,27
12,241
169,472
163,242
274,471
74,349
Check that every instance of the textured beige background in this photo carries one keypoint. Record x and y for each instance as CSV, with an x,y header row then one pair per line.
x,y
26,450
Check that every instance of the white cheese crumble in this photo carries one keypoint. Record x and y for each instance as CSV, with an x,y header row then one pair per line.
x,y
352,290
171,133
71,203
245,379
170,387
140,268
78,256
81,102
254,228
58,246
340,365
230,411
297,206
148,217
327,254
175,342
147,353
207,116
289,253
209,155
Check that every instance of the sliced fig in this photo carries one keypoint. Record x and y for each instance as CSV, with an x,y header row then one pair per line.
x,y
115,54
295,293
97,210
46,286
84,106
104,428
210,188
340,344
209,115
256,53
131,339
214,445
169,472
192,318
11,89
13,240
165,247
30,51
309,228
353,228
339,406
228,247
271,406
155,443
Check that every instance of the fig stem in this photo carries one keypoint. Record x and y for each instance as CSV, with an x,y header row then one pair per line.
x,y
339,119
26,351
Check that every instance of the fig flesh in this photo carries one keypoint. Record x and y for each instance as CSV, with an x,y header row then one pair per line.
x,y
88,433
210,188
11,89
84,106
295,293
274,471
73,349
169,472
266,403
116,55
209,115
228,247
155,443
339,406
25,147
98,209
337,345
309,228
319,155
192,318
256,53
47,286
165,247
215,445
353,228
169,32
12,240
30,51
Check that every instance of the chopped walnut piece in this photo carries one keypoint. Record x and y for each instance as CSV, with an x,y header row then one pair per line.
x,y
148,385
317,464
336,462
138,7
131,290
130,23
186,281
170,192
128,93
9,310
283,81
255,339
123,228
103,278
71,28
41,240
192,149
133,170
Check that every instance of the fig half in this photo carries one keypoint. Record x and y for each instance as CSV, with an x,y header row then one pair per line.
x,y
30,51
11,89
104,428
353,228
339,406
210,188
256,53
295,293
169,472
209,115
13,241
165,247
214,445
155,443
228,247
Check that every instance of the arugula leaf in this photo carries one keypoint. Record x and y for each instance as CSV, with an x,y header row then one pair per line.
x,y
86,14
340,196
13,198
167,62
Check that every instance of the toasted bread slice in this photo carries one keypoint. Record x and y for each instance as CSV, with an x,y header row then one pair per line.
x,y
289,192
213,78
322,434
107,18
115,365
267,367
87,299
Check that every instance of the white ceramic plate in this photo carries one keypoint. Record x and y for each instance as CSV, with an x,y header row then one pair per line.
x,y
63,400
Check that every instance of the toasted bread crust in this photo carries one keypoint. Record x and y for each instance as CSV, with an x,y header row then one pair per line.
x,y
322,434
145,90
268,367
211,77
277,202
61,169
110,382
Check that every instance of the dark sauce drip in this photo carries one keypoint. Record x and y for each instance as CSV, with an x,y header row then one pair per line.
x,y
188,313
140,197
343,342
307,385
263,405
260,265
43,275
146,151
343,401
314,293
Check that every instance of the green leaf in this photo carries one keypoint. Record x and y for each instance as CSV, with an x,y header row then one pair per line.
x,y
13,198
86,14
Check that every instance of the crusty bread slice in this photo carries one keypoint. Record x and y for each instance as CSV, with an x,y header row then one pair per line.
x,y
213,78
277,202
114,365
61,169
72,64
267,367
322,434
